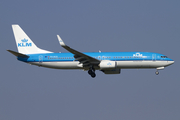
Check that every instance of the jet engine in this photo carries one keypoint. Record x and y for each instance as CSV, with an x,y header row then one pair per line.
x,y
107,65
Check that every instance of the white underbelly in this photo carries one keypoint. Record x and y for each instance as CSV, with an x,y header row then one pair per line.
x,y
58,65
141,64
120,64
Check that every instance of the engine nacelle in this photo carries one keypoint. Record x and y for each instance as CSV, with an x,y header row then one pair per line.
x,y
107,65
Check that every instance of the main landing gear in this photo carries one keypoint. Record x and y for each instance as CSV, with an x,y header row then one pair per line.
x,y
91,72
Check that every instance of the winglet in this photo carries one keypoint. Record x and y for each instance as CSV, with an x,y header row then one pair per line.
x,y
60,41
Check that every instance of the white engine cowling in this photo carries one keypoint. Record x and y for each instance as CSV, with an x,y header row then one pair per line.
x,y
107,65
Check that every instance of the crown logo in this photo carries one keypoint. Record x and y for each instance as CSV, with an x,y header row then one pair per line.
x,y
24,40
138,54
109,63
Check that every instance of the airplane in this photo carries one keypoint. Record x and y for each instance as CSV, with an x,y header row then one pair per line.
x,y
107,62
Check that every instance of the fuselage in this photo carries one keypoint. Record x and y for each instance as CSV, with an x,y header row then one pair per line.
x,y
107,62
124,60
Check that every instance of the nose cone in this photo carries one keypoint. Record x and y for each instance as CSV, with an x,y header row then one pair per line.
x,y
170,62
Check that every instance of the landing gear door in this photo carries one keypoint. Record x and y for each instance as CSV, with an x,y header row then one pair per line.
x,y
154,57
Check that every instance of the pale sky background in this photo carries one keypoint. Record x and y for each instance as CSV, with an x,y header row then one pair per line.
x,y
35,93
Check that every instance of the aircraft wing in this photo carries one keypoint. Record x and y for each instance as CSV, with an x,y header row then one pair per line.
x,y
84,59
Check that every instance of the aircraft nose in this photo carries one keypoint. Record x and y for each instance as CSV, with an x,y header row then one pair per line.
x,y
171,62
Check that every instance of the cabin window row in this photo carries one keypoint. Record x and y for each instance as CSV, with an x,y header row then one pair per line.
x,y
117,57
128,57
94,57
62,58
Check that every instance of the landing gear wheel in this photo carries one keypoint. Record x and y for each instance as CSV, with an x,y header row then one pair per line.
x,y
157,73
93,75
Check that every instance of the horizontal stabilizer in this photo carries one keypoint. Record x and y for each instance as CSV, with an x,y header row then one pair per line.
x,y
18,54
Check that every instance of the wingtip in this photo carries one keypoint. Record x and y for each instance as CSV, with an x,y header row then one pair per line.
x,y
60,41
15,25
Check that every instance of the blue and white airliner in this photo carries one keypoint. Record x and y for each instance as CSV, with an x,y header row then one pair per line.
x,y
107,62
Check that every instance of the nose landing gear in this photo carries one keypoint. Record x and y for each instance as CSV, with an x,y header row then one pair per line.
x,y
159,68
157,73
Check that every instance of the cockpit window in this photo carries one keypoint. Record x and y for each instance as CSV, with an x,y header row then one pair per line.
x,y
164,57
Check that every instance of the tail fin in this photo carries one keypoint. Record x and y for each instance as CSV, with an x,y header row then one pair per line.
x,y
24,44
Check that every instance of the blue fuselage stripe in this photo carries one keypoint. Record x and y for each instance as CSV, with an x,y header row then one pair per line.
x,y
113,56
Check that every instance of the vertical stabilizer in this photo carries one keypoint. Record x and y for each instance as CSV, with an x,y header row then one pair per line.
x,y
24,44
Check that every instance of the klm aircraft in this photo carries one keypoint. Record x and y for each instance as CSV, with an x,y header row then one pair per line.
x,y
107,62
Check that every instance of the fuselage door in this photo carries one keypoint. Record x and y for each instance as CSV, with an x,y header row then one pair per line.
x,y
40,59
154,57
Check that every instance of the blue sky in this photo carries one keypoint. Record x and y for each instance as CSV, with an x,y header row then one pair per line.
x,y
31,92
